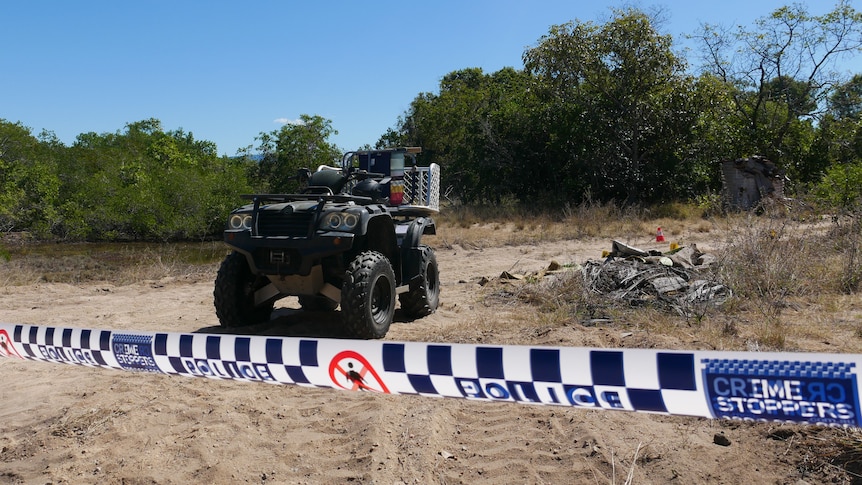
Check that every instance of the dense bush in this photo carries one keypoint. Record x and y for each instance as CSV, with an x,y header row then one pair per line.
x,y
141,184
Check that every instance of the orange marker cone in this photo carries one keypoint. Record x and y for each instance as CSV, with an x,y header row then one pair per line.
x,y
659,237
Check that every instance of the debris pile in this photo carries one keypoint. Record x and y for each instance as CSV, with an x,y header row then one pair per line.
x,y
675,280
678,280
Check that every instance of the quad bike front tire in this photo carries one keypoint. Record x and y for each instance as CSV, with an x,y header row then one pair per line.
x,y
368,296
233,296
424,298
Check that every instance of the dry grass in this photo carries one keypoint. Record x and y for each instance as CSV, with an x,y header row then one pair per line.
x,y
482,227
32,262
842,453
788,268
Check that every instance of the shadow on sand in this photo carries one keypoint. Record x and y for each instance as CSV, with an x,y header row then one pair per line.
x,y
291,322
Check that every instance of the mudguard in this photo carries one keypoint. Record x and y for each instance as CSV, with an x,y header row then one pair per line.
x,y
411,255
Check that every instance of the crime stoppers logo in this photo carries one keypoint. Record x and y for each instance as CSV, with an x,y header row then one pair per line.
x,y
134,352
769,390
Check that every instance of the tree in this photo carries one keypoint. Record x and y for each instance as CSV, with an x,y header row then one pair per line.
x,y
846,100
149,184
392,138
617,103
782,74
29,185
475,129
838,152
304,144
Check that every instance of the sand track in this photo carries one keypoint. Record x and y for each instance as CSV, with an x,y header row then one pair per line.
x,y
68,424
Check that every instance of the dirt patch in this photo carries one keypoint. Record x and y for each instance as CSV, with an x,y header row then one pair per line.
x,y
69,424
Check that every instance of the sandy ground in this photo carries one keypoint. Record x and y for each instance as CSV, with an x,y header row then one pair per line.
x,y
67,424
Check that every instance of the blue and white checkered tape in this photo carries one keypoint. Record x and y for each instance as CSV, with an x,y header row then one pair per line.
x,y
803,388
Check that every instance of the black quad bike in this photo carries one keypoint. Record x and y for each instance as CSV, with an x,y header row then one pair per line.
x,y
350,237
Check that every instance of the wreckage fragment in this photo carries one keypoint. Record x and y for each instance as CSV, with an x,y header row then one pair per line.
x,y
637,276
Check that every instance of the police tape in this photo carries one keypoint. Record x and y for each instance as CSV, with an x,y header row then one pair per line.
x,y
783,387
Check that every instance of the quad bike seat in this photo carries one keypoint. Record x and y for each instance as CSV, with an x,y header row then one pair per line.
x,y
334,180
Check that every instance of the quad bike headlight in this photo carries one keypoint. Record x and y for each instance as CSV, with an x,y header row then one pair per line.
x,y
339,221
240,221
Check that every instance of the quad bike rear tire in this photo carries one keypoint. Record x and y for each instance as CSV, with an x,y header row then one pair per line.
x,y
424,298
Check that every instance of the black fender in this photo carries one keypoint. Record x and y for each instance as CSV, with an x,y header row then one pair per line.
x,y
380,237
411,253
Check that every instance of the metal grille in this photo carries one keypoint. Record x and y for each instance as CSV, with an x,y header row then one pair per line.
x,y
271,223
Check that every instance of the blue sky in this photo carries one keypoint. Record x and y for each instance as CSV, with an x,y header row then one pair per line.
x,y
227,71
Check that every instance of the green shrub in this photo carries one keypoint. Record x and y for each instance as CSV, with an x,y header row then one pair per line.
x,y
841,187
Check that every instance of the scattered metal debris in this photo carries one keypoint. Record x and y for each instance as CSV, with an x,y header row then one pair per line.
x,y
676,280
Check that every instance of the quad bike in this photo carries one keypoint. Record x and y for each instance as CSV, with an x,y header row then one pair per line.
x,y
350,238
